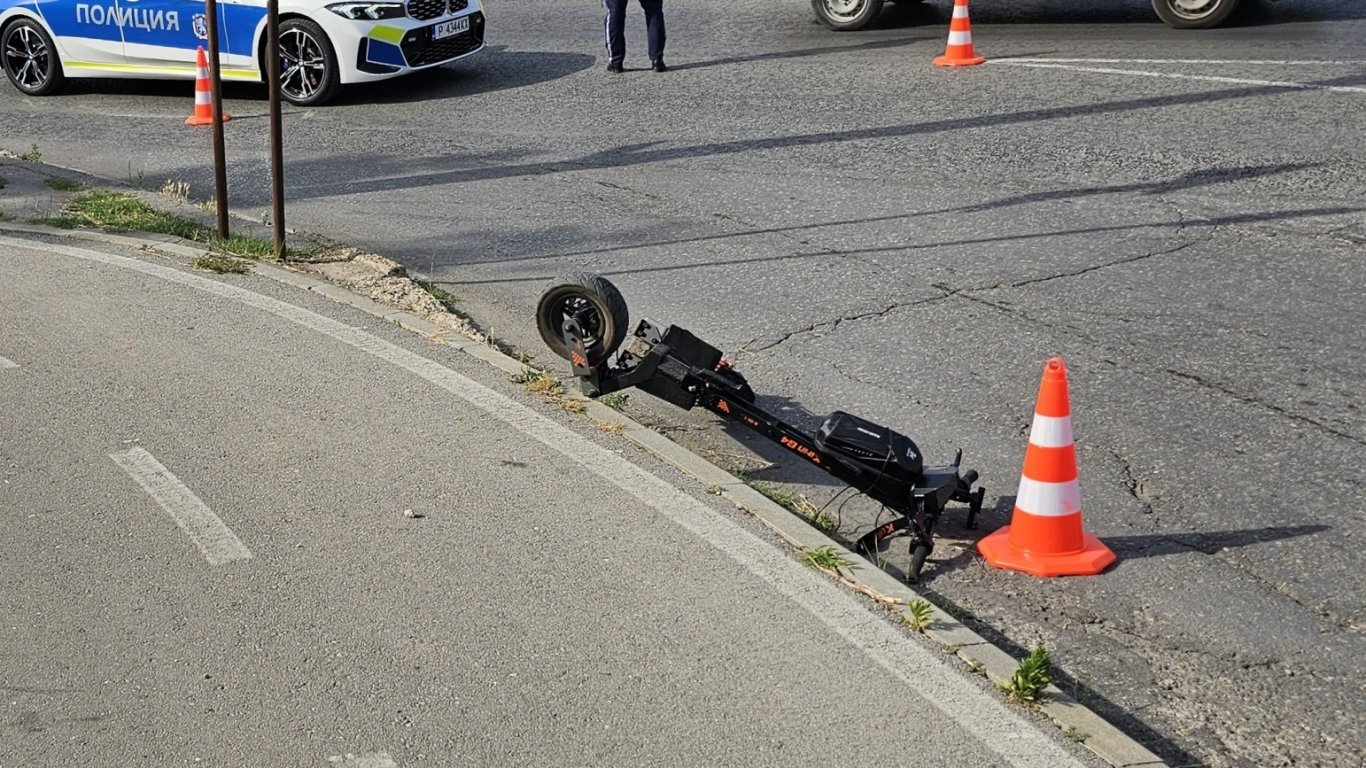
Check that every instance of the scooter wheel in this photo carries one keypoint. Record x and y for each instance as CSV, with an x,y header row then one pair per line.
x,y
918,556
599,306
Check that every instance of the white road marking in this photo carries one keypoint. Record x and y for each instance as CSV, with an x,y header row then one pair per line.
x,y
218,543
923,672
7,363
376,760
1179,76
1258,62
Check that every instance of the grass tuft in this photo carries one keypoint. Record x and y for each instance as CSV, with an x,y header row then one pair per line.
x,y
813,514
58,221
176,190
221,264
1030,679
616,400
447,299
122,212
919,615
33,155
826,558
62,185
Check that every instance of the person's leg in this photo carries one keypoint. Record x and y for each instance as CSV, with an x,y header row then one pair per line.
x,y
654,27
614,30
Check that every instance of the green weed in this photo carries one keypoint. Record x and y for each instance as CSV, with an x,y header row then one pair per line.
x,y
63,185
214,262
447,299
826,559
919,615
616,400
1031,677
122,212
33,155
58,221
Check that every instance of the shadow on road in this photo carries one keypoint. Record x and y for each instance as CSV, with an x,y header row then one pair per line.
x,y
825,253
394,173
872,45
1161,544
1194,179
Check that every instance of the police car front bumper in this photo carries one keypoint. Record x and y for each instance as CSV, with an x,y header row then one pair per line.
x,y
388,50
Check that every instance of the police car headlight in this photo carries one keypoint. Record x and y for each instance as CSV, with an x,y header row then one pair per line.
x,y
362,11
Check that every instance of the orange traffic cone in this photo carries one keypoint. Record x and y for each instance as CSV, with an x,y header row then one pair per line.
x,y
203,95
959,52
1045,536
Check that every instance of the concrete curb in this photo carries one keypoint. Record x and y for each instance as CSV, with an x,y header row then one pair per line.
x,y
1100,737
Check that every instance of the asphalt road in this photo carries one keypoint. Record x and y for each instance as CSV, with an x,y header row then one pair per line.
x,y
207,561
1179,214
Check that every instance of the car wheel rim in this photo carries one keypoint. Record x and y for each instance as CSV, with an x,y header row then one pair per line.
x,y
303,67
843,9
27,58
1192,9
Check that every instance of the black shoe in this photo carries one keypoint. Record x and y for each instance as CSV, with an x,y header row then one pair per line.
x,y
658,65
615,67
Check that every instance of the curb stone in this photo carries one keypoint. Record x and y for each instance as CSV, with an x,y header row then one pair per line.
x,y
1100,737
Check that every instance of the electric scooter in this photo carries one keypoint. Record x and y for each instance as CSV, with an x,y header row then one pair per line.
x,y
583,318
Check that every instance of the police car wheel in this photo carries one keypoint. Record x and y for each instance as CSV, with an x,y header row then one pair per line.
x,y
846,15
30,58
1193,14
308,65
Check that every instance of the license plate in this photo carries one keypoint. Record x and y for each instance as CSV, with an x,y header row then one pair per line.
x,y
452,27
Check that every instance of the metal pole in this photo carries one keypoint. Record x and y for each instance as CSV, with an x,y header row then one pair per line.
x,y
220,166
277,164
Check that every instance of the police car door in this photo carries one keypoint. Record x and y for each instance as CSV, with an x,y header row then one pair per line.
x,y
160,36
87,33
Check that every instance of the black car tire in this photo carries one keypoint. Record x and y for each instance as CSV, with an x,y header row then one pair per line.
x,y
309,74
30,58
1194,14
846,15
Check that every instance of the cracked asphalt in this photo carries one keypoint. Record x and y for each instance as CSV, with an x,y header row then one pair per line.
x,y
1180,215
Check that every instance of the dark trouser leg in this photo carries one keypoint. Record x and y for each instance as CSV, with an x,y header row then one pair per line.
x,y
654,27
614,29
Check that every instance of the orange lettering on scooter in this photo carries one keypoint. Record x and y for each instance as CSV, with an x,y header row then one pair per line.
x,y
799,448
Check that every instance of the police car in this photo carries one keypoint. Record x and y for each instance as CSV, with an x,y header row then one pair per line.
x,y
323,43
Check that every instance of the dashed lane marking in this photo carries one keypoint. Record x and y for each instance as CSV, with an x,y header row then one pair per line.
x,y
7,363
375,760
218,543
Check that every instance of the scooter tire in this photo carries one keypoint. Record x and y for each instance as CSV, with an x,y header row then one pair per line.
x,y
605,315
918,556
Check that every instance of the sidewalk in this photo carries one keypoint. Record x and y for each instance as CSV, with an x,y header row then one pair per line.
x,y
965,709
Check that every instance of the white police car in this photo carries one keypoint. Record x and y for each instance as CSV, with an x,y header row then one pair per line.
x,y
323,43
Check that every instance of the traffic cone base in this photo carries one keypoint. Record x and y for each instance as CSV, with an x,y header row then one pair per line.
x,y
1091,557
961,61
203,95
959,52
